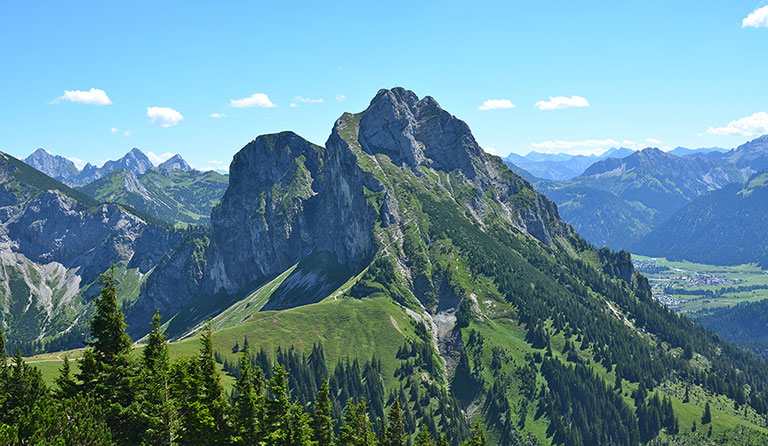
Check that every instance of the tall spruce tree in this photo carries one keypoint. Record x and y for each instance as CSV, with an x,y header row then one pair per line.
x,y
396,429
424,438
213,392
65,381
477,437
247,404
158,406
278,416
106,368
706,417
322,419
356,428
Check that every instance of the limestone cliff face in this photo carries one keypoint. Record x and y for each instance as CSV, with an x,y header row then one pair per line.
x,y
286,199
55,228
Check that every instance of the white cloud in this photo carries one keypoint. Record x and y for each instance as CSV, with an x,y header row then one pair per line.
x,y
555,103
756,19
218,115
254,100
94,96
293,105
128,133
490,150
753,125
308,100
164,116
219,169
157,159
584,147
653,141
496,104
216,162
565,145
340,97
114,130
78,162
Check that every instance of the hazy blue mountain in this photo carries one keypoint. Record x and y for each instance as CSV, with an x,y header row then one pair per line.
x,y
55,166
561,166
682,151
176,162
135,161
725,227
647,187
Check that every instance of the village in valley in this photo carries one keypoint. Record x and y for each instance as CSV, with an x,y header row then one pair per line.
x,y
690,287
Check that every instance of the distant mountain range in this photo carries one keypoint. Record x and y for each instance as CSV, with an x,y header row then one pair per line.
x,y
616,202
173,191
560,166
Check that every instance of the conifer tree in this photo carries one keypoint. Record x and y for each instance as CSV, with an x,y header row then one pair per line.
x,y
65,381
106,368
247,405
478,436
158,406
396,429
706,417
213,391
424,438
356,428
322,420
277,420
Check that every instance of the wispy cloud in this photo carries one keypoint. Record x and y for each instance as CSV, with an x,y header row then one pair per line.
x,y
753,125
254,100
128,133
584,147
756,19
164,116
94,96
308,100
216,162
653,141
114,130
157,159
559,102
78,162
218,115
490,150
293,105
496,104
340,97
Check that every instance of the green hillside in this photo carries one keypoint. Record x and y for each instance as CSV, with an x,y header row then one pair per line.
x,y
173,196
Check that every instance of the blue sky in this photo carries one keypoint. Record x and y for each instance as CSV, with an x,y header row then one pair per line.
x,y
652,73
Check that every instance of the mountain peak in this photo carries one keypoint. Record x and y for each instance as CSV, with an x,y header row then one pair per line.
x,y
418,132
176,162
54,166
